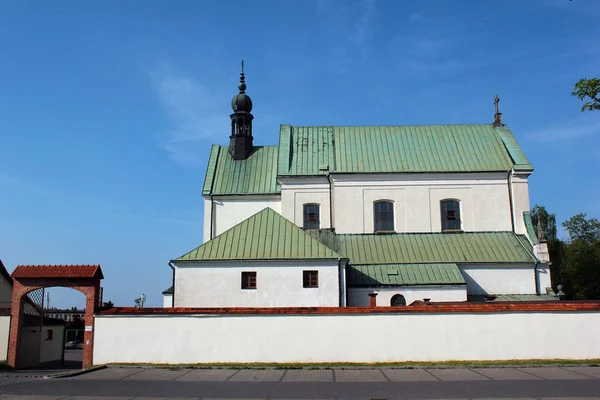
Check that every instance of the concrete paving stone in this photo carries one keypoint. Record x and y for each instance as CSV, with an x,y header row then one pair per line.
x,y
253,375
166,398
25,397
590,371
359,375
408,375
157,374
456,374
109,374
96,398
554,373
307,375
207,375
505,374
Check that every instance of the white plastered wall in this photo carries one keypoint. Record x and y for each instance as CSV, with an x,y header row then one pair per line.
x,y
359,297
484,201
167,300
52,350
231,210
295,192
4,333
334,338
279,284
499,278
520,189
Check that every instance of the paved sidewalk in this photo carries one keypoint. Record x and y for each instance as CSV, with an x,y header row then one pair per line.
x,y
343,375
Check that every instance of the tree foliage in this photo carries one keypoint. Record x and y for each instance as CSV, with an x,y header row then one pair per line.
x,y
582,228
548,221
588,90
582,257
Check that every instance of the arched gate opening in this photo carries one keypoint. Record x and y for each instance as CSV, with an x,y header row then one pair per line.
x,y
27,281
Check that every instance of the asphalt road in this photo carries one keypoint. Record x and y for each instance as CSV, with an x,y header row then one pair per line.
x,y
451,383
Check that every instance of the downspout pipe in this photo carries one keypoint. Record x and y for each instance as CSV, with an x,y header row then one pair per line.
x,y
510,199
537,281
212,213
331,224
173,295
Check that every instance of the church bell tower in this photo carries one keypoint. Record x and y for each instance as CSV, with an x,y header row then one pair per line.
x,y
240,141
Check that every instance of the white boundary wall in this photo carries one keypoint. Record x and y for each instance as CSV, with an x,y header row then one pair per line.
x,y
4,334
365,338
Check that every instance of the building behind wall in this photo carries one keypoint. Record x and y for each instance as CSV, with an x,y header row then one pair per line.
x,y
342,215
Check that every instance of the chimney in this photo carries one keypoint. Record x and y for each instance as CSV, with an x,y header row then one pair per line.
x,y
373,299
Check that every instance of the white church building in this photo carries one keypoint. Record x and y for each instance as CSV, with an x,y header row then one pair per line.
x,y
363,215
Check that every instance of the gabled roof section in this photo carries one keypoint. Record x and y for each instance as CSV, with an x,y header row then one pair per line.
x,y
404,275
317,150
256,175
264,236
415,248
57,271
521,163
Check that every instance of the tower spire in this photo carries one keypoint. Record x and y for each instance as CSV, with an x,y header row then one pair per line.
x,y
240,141
242,84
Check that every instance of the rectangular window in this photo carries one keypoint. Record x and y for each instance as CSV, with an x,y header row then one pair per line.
x,y
311,216
384,216
49,334
249,280
450,215
310,279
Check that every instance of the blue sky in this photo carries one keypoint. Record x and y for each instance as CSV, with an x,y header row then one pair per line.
x,y
108,108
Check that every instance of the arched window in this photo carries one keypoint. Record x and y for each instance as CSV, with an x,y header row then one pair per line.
x,y
450,215
398,301
384,216
312,217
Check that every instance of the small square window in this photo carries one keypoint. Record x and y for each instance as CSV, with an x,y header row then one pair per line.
x,y
310,279
249,280
451,215
49,334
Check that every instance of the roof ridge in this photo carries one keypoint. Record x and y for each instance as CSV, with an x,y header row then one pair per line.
x,y
270,225
389,125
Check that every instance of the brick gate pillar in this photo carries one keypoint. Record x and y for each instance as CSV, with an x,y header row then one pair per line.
x,y
26,278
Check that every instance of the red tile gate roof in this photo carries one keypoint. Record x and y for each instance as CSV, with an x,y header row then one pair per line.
x,y
57,271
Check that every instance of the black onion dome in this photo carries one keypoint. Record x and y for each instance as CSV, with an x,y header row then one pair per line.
x,y
241,102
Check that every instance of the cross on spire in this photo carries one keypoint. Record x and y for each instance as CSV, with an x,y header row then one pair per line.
x,y
498,115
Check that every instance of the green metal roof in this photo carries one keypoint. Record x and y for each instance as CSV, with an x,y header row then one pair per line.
x,y
255,175
314,150
411,248
404,275
306,150
264,236
529,226
514,297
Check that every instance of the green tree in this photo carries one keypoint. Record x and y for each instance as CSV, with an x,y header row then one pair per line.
x,y
582,257
539,213
580,227
588,89
556,247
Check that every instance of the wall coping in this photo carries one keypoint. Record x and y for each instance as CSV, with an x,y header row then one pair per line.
x,y
440,308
